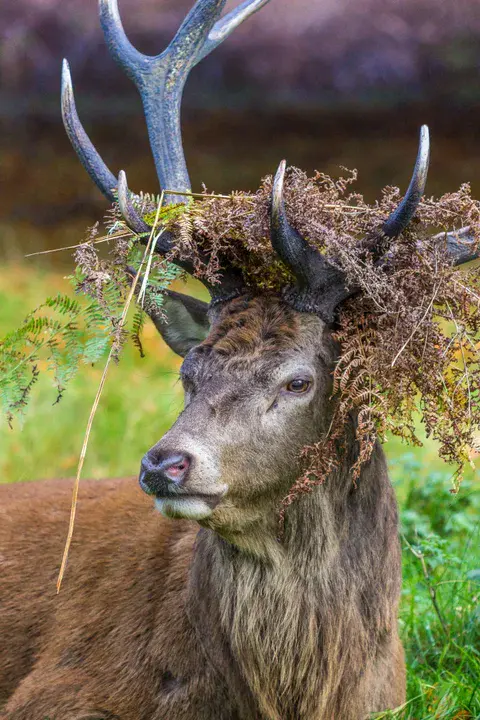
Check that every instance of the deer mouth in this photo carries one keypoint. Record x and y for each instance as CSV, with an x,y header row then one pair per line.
x,y
192,506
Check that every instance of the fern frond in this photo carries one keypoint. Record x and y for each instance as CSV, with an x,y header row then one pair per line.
x,y
137,327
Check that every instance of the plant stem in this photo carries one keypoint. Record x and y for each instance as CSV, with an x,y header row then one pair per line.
x,y
199,195
106,238
93,411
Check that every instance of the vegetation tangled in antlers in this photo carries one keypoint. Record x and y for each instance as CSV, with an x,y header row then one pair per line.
x,y
408,339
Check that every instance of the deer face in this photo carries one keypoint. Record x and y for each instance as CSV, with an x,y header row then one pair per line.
x,y
257,391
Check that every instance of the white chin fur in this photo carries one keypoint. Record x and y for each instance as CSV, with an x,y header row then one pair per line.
x,y
188,508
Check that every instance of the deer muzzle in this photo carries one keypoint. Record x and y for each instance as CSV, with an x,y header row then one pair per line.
x,y
167,475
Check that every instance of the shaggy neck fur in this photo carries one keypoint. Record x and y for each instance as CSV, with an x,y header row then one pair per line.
x,y
307,625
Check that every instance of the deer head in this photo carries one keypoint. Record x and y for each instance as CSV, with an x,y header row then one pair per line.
x,y
257,368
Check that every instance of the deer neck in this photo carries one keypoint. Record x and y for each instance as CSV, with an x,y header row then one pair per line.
x,y
253,609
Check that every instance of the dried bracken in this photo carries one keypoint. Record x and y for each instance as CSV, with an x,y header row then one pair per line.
x,y
408,338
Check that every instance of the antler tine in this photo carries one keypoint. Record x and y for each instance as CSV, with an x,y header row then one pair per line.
x,y
400,217
462,246
320,285
83,146
224,27
286,241
121,49
160,79
133,219
91,160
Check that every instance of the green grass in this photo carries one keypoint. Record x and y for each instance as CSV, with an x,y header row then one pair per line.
x,y
142,397
440,538
440,532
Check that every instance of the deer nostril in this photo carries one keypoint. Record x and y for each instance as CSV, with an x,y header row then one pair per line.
x,y
176,471
175,467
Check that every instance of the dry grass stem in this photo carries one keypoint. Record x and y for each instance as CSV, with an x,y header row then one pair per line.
x,y
152,241
104,239
111,355
197,195
415,329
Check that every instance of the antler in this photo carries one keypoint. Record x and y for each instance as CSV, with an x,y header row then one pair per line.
x,y
160,81
320,286
462,246
403,214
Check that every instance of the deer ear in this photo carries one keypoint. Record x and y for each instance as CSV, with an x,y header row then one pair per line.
x,y
182,323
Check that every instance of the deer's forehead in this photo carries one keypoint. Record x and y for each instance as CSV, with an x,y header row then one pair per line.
x,y
245,325
260,326
257,337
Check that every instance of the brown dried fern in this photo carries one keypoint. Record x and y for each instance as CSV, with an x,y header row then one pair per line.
x,y
408,341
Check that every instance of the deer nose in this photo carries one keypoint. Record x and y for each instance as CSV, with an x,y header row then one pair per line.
x,y
159,470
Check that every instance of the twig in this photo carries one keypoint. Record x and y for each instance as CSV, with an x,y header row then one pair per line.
x,y
447,396
93,412
199,195
465,365
143,288
336,206
106,238
390,713
468,290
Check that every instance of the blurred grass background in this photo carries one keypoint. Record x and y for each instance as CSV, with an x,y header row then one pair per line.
x,y
141,399
324,84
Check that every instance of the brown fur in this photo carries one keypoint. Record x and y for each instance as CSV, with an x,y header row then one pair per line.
x,y
249,326
158,620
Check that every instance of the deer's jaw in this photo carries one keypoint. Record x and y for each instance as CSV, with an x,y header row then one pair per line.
x,y
187,507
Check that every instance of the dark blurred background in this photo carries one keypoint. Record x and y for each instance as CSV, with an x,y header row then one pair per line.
x,y
323,83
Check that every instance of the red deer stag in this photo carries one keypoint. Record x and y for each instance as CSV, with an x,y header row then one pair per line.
x,y
161,620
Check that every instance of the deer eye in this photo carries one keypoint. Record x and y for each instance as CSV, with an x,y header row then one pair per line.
x,y
298,385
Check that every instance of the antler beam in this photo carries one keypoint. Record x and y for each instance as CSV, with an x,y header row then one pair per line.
x,y
222,29
403,214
